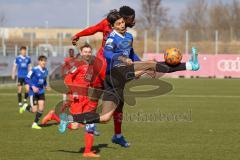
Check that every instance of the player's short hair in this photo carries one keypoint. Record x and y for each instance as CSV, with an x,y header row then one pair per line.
x,y
71,50
42,58
86,45
113,16
23,48
126,11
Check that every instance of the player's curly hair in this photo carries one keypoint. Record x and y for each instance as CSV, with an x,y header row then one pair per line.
x,y
113,16
126,11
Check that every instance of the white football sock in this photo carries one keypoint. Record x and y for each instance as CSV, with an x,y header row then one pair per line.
x,y
188,66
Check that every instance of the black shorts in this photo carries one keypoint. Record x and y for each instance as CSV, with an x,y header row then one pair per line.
x,y
35,98
114,83
21,81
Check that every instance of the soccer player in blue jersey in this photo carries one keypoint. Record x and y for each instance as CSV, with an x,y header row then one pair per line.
x,y
22,64
37,81
122,67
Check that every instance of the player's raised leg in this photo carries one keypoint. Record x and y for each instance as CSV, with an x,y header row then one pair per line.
x,y
191,65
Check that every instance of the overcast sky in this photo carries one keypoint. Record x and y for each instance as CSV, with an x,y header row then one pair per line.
x,y
71,13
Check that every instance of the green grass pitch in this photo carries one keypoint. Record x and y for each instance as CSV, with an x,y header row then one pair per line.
x,y
199,120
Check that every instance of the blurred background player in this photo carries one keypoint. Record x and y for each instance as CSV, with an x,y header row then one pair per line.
x,y
37,81
67,60
104,26
22,64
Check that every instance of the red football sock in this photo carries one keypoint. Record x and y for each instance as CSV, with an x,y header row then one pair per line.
x,y
89,138
55,117
117,116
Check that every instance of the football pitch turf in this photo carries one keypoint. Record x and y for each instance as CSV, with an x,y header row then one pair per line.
x,y
198,120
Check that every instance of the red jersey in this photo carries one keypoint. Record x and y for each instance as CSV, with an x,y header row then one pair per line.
x,y
68,63
78,81
103,26
78,77
68,60
99,68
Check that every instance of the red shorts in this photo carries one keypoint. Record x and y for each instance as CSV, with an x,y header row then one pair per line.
x,y
83,104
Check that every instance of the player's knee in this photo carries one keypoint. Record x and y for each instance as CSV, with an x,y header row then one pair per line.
x,y
105,118
19,89
40,110
34,110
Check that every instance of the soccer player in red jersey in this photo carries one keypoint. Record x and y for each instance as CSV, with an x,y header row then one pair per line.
x,y
71,56
68,61
104,26
79,85
67,65
78,80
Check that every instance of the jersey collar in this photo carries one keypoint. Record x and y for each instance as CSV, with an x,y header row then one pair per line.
x,y
118,34
40,68
23,57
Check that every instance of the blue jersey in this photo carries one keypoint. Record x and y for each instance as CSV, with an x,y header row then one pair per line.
x,y
118,45
22,63
37,77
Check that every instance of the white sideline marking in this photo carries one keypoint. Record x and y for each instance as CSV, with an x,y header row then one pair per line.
x,y
203,96
170,95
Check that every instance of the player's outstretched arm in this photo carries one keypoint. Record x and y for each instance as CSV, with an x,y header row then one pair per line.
x,y
89,31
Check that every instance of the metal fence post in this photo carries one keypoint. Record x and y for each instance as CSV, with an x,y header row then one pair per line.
x,y
145,41
216,42
157,39
31,44
16,50
186,42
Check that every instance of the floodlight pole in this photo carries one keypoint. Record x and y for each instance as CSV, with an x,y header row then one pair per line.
x,y
46,27
88,16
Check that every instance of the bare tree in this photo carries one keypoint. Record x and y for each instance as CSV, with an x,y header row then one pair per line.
x,y
219,16
2,19
226,19
219,19
194,18
234,18
153,14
